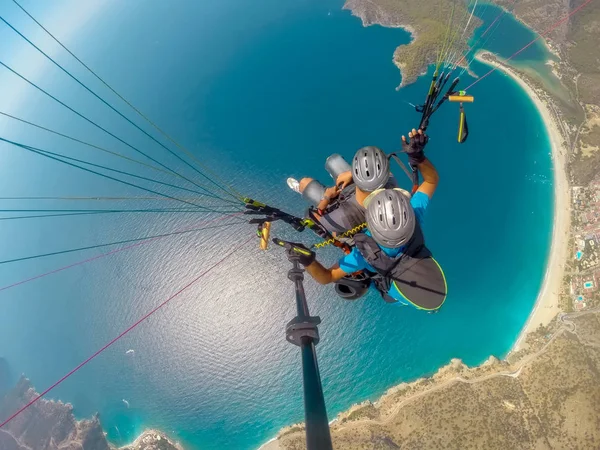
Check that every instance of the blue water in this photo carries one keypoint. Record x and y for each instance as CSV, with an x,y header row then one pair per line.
x,y
261,91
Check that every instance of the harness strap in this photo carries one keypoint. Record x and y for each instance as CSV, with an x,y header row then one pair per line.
x,y
388,268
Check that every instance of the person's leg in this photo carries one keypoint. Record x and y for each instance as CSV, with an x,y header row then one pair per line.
x,y
298,186
303,183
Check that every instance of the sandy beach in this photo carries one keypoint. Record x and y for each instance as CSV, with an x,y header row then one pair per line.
x,y
273,444
547,306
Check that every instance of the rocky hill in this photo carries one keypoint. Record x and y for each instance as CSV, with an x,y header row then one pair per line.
x,y
50,425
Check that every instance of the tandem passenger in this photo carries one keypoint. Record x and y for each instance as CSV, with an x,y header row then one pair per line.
x,y
341,207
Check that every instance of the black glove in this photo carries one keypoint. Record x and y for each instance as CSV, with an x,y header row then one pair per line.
x,y
300,252
415,147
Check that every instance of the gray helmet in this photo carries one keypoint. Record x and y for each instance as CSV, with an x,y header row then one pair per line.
x,y
391,218
370,169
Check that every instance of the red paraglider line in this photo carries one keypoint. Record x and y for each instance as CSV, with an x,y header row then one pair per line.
x,y
498,17
93,258
146,316
552,28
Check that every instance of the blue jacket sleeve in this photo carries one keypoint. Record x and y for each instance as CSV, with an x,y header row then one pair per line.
x,y
420,202
352,262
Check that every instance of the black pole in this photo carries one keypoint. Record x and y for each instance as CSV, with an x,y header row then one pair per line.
x,y
303,331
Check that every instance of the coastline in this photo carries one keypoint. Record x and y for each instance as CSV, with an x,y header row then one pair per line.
x,y
495,397
149,439
546,307
517,17
68,431
382,20
547,303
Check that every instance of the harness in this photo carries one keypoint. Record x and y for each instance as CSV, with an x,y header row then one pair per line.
x,y
341,216
343,197
414,273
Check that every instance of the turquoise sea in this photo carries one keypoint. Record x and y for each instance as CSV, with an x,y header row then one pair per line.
x,y
259,91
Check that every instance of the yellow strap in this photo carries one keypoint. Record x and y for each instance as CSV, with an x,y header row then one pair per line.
x,y
461,125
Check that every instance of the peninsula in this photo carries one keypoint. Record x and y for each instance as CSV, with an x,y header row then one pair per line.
x,y
428,22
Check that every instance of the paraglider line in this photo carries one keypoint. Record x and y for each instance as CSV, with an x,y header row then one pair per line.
x,y
99,212
31,83
48,155
102,149
487,30
112,107
146,118
112,252
92,247
552,28
142,319
59,155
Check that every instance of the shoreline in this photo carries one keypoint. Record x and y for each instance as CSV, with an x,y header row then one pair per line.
x,y
547,303
149,437
386,24
546,307
545,42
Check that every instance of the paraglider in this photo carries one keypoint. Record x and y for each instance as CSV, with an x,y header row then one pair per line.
x,y
385,233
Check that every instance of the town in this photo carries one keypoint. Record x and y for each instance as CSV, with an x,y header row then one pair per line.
x,y
583,273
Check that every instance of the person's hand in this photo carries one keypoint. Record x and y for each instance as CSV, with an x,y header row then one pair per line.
x,y
414,148
343,179
331,193
303,254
